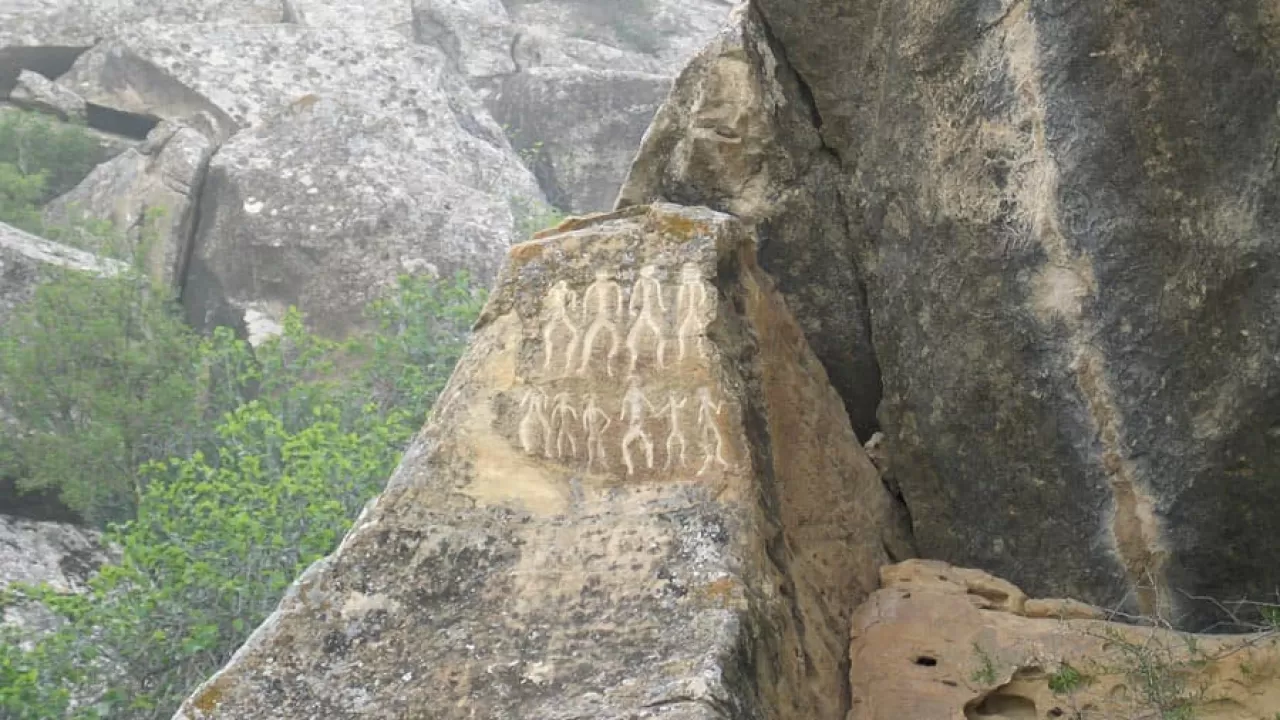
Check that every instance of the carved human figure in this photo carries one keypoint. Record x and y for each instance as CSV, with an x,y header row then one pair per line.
x,y
558,305
712,442
560,413
535,429
675,437
691,308
633,414
601,304
647,309
595,421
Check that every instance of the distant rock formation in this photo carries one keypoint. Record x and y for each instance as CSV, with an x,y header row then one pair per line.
x,y
638,497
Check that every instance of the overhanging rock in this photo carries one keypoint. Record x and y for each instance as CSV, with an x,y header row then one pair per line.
x,y
597,520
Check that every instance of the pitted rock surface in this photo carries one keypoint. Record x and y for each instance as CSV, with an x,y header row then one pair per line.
x,y
637,486
1066,227
944,642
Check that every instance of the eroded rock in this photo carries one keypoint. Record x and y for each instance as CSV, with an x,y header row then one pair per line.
x,y
148,193
36,92
638,497
944,642
324,206
61,555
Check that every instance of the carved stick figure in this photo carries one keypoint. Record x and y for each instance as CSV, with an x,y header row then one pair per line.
x,y
712,443
647,307
691,304
602,301
633,405
560,419
674,435
595,421
534,423
560,301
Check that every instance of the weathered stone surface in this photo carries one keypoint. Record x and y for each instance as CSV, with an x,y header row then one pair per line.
x,y
638,497
577,128
574,82
161,175
32,552
736,135
355,18
327,204
36,92
1068,227
944,642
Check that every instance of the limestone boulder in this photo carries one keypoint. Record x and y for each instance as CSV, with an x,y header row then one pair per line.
x,y
736,134
638,497
148,193
1065,225
323,206
958,644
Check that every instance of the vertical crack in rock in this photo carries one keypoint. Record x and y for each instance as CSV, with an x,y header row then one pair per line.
x,y
1062,292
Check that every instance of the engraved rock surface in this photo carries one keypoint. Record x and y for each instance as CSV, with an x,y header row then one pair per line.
x,y
1065,224
943,642
638,497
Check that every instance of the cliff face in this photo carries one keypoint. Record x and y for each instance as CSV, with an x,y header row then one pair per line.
x,y
1065,221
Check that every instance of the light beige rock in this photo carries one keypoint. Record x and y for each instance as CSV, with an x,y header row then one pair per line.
x,y
945,643
638,497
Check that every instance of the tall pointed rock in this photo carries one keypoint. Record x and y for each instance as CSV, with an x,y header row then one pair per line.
x,y
638,497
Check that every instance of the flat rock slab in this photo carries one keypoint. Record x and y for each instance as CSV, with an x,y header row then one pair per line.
x,y
638,497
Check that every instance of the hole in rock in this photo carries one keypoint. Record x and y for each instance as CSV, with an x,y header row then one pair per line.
x,y
120,122
927,661
998,706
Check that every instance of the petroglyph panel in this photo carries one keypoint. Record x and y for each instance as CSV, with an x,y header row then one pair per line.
x,y
624,432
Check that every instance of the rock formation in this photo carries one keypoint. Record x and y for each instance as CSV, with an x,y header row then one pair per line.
x,y
944,642
33,552
638,497
1059,224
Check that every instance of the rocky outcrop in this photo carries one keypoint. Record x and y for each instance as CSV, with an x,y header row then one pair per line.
x,y
59,555
148,193
574,82
1065,225
34,91
324,206
944,642
736,134
637,497
22,256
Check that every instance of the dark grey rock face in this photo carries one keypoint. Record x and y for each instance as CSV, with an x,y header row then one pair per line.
x,y
1066,218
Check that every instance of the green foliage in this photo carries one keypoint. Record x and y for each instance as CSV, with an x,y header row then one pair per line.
x,y
422,331
985,673
100,373
220,531
1066,680
533,217
39,160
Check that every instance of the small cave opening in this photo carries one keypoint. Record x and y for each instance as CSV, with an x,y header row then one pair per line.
x,y
49,61
926,661
120,122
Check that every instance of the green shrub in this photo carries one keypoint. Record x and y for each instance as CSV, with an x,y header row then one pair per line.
x,y
221,531
100,374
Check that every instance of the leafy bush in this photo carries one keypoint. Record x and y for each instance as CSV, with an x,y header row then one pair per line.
x,y
100,374
221,531
39,160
